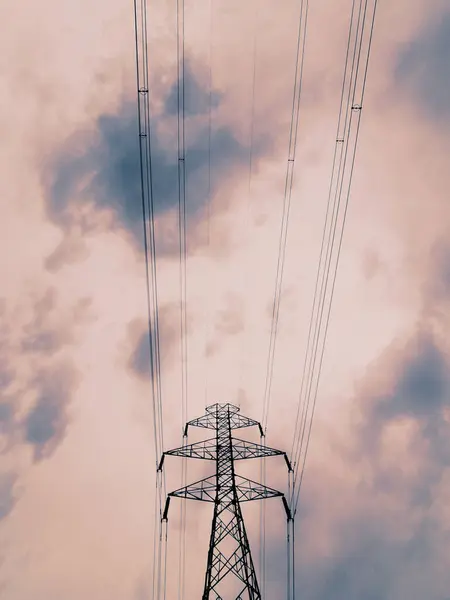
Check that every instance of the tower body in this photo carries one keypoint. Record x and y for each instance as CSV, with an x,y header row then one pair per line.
x,y
229,551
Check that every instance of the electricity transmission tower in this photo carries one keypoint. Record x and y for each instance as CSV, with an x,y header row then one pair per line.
x,y
230,570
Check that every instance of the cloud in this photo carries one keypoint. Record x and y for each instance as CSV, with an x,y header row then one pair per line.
x,y
371,563
375,553
422,65
48,330
7,497
437,284
417,404
230,320
43,342
6,374
71,249
371,264
169,337
140,358
384,536
7,423
372,523
5,412
97,172
45,425
196,98
34,366
7,379
422,383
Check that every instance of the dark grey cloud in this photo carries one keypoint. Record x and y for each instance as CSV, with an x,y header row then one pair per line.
x,y
422,65
7,421
6,374
140,359
6,370
371,560
196,98
45,425
6,412
422,383
420,396
9,430
169,339
361,568
7,377
7,495
100,169
111,159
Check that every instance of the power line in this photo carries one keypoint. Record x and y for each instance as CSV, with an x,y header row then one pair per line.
x,y
354,107
327,227
183,295
182,204
207,320
352,95
246,272
147,198
301,41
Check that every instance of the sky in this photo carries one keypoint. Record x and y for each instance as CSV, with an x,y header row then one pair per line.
x,y
77,459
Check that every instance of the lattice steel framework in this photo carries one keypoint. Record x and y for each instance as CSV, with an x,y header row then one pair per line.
x,y
229,555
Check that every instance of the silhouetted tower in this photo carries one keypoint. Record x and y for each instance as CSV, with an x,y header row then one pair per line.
x,y
229,555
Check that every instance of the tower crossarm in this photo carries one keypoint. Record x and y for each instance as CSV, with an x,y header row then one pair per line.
x,y
207,450
251,490
236,420
205,490
243,449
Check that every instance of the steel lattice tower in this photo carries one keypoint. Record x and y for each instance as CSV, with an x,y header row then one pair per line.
x,y
229,555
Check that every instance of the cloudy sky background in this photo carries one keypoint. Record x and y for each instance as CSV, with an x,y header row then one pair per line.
x,y
77,455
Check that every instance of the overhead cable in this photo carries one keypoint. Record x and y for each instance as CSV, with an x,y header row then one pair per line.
x,y
300,55
147,199
182,192
340,187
